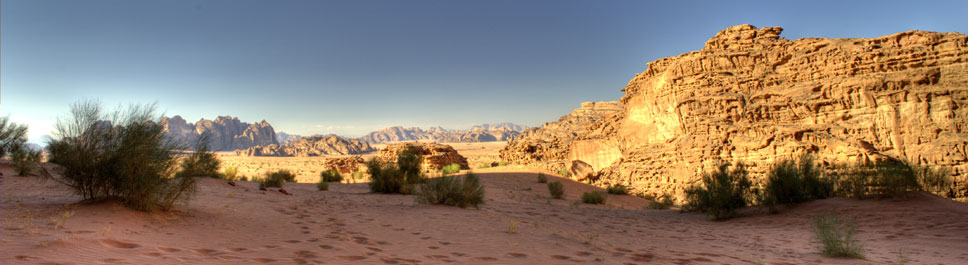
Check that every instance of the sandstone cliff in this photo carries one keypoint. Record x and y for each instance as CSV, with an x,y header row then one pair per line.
x,y
311,146
226,132
478,133
754,97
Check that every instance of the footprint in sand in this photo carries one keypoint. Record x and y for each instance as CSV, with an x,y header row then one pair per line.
x,y
560,257
238,249
306,254
433,247
485,259
209,252
517,255
351,258
293,241
444,243
374,249
642,257
583,254
153,254
263,260
118,244
169,250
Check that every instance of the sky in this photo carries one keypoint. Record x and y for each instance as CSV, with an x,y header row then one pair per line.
x,y
350,67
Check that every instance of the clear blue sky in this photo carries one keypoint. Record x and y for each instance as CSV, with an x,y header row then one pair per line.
x,y
349,67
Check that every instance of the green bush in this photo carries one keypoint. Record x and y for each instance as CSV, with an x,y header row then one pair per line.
x,y
557,190
230,173
880,179
617,190
384,177
408,163
664,202
453,168
935,180
276,179
322,185
123,154
593,197
399,177
25,160
791,181
722,192
837,236
563,172
453,190
330,176
358,175
542,178
200,163
12,136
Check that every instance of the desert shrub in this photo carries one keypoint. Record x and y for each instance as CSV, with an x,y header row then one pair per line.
x,y
12,136
243,178
721,193
880,179
123,154
593,197
384,177
230,173
557,190
408,164
200,163
330,176
542,178
662,203
322,185
563,172
25,160
791,181
276,179
617,190
453,168
484,165
357,175
837,236
935,180
453,190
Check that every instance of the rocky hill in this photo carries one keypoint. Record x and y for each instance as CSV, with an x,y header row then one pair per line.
x,y
479,133
434,156
754,97
227,133
311,146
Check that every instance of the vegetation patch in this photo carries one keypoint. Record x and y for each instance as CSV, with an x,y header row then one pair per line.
x,y
542,178
557,190
330,176
721,192
837,236
617,190
396,178
791,182
451,169
460,191
593,197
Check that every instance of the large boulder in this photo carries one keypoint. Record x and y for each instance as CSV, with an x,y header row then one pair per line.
x,y
435,156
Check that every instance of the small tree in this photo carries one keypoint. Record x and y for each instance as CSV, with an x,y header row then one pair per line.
x,y
12,136
25,160
408,163
330,176
721,193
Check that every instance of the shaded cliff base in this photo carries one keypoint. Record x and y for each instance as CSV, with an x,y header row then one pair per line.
x,y
517,224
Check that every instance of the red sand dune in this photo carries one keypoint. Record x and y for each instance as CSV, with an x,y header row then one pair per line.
x,y
43,223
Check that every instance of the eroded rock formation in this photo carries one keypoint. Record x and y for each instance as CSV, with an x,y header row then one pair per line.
x,y
548,146
345,165
311,146
226,132
435,156
754,97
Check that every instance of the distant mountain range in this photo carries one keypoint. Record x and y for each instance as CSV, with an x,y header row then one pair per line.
x,y
229,133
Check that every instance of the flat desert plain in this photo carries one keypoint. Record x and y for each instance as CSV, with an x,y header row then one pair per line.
x,y
43,223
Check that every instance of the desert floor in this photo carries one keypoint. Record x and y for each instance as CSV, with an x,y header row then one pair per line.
x,y
43,223
307,169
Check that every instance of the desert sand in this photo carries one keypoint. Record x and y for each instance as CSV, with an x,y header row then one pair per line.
x,y
43,223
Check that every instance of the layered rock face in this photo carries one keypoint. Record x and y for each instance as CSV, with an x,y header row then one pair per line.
x,y
549,146
226,132
435,156
750,96
311,146
479,133
345,165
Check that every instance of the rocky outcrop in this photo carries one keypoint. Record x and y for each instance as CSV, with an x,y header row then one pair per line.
x,y
549,146
311,146
479,133
226,132
344,165
754,97
435,156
